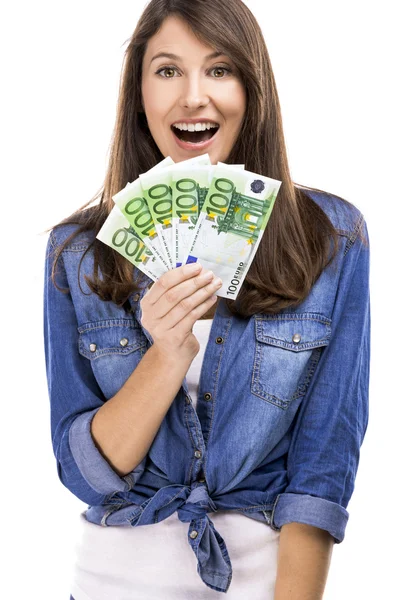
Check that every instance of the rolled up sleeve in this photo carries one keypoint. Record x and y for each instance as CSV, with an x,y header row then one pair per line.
x,y
332,420
75,397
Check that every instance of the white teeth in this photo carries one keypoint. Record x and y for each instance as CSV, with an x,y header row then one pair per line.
x,y
194,126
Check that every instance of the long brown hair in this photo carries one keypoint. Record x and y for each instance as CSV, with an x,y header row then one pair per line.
x,y
299,241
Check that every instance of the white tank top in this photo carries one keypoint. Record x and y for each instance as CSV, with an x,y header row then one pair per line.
x,y
156,562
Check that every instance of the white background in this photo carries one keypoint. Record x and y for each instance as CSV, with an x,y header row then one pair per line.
x,y
337,67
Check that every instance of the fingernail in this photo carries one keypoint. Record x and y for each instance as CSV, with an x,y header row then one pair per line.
x,y
192,267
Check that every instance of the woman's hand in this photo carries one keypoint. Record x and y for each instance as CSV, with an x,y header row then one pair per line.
x,y
173,304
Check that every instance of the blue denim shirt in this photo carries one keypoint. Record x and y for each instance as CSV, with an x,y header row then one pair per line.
x,y
281,414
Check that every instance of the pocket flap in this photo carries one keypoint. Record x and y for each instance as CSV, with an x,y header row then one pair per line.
x,y
111,336
294,332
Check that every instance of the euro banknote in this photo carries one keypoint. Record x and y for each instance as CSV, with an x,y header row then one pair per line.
x,y
190,185
157,192
231,224
189,189
117,233
133,205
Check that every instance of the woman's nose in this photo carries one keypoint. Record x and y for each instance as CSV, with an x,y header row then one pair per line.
x,y
194,93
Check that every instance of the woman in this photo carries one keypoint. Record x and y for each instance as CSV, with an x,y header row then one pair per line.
x,y
271,426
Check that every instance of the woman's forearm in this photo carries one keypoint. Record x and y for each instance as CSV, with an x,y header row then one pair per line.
x,y
304,557
125,426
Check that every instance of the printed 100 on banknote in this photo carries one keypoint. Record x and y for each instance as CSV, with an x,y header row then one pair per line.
x,y
231,224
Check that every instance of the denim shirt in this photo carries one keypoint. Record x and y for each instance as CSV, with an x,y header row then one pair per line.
x,y
281,414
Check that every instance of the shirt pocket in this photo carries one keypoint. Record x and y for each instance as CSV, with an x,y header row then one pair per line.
x,y
114,348
287,351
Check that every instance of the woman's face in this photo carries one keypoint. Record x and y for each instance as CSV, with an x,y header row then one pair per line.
x,y
191,89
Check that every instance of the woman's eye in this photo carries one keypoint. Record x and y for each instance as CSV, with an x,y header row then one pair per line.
x,y
168,70
220,70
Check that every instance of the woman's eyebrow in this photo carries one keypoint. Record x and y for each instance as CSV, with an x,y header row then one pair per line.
x,y
175,57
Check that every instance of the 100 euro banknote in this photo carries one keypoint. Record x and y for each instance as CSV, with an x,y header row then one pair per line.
x,y
189,190
190,184
231,224
117,233
133,205
157,192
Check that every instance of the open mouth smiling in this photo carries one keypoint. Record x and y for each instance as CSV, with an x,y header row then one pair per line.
x,y
195,133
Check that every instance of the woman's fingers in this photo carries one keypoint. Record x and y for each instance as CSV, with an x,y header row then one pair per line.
x,y
181,293
187,323
178,294
192,306
170,280
173,304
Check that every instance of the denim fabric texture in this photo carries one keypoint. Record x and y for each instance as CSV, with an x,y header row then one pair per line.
x,y
281,414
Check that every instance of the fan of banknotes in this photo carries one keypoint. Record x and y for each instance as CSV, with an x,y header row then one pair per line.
x,y
192,211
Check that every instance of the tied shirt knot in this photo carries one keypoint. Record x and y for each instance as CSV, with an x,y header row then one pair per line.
x,y
192,504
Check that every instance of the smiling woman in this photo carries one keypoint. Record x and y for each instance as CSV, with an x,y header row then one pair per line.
x,y
195,103
215,443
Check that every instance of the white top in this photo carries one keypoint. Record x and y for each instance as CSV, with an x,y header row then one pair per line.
x,y
156,562
201,330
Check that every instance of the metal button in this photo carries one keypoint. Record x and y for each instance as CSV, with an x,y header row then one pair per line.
x,y
207,396
188,400
193,534
92,347
198,454
219,340
123,342
201,479
296,338
136,297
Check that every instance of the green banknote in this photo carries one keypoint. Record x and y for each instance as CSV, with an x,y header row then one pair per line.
x,y
189,189
117,233
231,224
133,205
157,192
